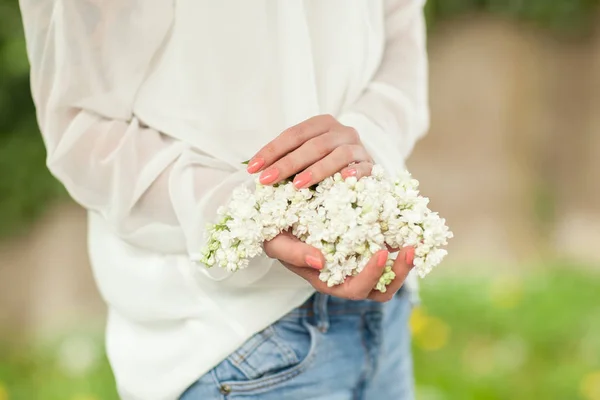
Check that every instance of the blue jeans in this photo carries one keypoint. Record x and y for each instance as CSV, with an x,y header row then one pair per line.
x,y
328,349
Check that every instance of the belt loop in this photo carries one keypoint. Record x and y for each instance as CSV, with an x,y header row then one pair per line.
x,y
320,309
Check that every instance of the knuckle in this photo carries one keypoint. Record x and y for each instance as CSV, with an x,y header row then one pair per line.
x,y
352,134
293,135
348,152
297,136
270,150
287,166
321,146
328,119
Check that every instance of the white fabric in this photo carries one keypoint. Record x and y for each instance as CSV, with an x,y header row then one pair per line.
x,y
147,109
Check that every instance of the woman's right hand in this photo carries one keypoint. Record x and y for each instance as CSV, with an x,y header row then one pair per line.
x,y
306,261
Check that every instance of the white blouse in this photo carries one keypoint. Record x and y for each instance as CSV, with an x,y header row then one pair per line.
x,y
147,109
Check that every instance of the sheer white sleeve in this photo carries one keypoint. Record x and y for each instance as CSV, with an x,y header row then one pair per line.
x,y
393,112
156,191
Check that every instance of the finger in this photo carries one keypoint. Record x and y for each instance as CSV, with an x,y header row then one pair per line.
x,y
360,286
357,170
311,276
289,140
306,155
332,163
286,247
345,290
402,266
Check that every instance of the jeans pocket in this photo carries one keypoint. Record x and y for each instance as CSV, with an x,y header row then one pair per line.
x,y
269,358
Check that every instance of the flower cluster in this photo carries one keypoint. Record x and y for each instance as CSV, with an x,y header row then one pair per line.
x,y
348,220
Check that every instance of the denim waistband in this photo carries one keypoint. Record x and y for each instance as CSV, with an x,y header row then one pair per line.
x,y
320,307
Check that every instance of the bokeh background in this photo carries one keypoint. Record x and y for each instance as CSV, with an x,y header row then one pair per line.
x,y
512,161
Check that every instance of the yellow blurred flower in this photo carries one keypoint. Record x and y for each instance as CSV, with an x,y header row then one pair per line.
x,y
418,320
506,292
3,392
429,333
590,386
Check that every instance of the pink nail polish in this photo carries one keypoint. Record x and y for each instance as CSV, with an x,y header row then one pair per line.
x,y
382,258
313,262
269,176
350,172
255,165
410,256
303,179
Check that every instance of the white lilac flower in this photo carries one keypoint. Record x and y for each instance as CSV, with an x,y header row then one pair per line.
x,y
347,220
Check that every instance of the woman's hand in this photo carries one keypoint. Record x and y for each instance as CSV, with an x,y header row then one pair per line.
x,y
312,150
306,261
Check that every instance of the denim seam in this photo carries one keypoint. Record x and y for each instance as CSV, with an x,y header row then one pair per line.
x,y
238,357
287,352
360,387
374,322
270,381
217,383
345,311
321,312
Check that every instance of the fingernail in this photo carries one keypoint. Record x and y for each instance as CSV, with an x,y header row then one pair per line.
x,y
350,172
303,179
269,176
382,258
409,257
314,262
255,165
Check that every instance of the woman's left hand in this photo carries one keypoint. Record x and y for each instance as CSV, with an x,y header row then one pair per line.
x,y
312,150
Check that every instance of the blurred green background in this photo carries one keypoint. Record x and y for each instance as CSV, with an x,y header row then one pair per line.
x,y
514,313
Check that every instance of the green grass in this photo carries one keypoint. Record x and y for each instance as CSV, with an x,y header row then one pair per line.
x,y
510,338
502,338
43,374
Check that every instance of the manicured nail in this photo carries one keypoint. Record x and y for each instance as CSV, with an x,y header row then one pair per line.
x,y
410,256
350,172
303,179
269,176
255,165
382,258
314,262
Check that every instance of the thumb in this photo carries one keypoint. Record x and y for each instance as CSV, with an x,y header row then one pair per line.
x,y
289,249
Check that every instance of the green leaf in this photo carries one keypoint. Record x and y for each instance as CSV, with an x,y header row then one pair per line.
x,y
246,162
